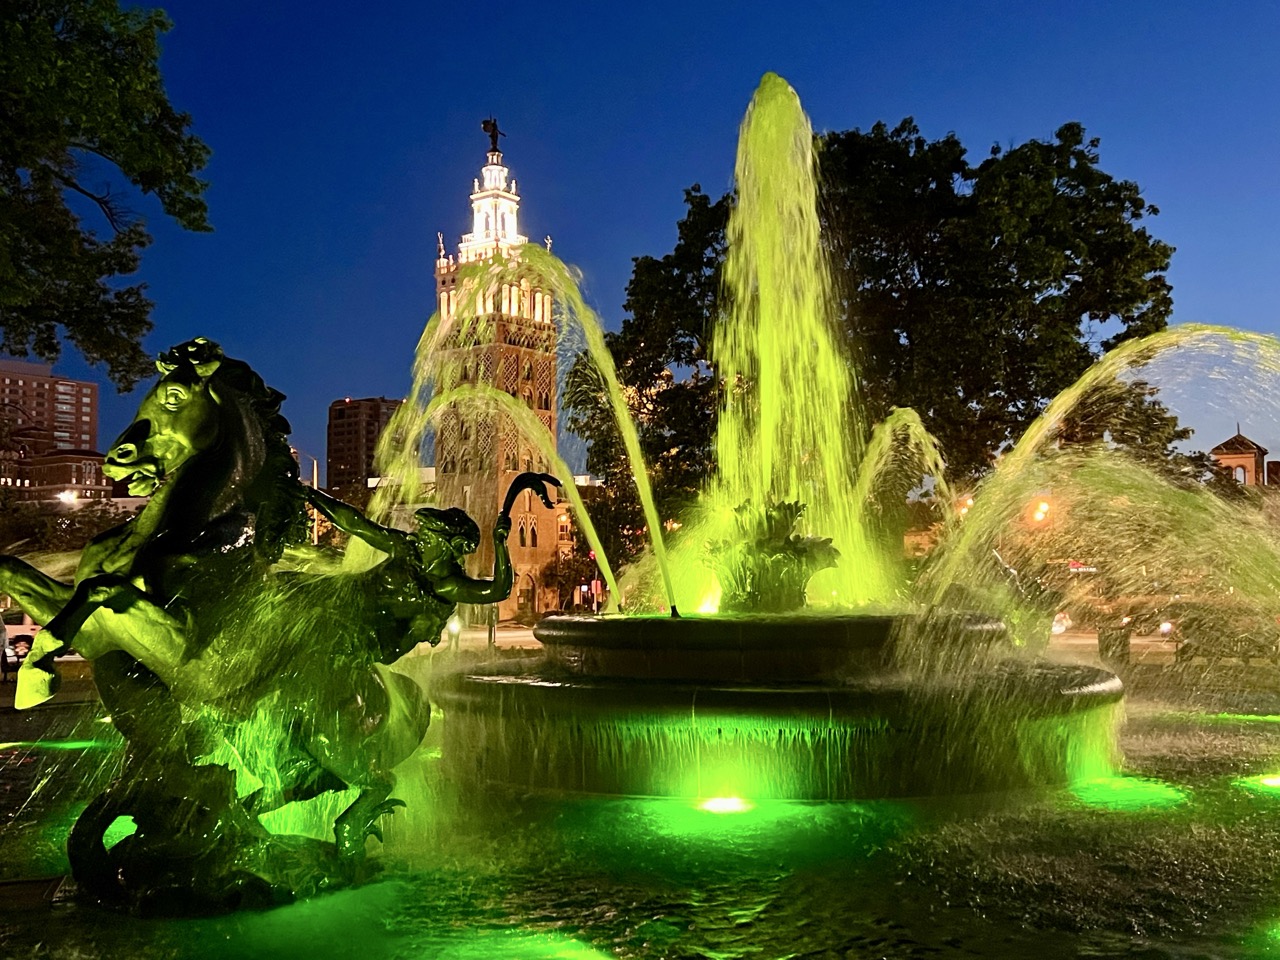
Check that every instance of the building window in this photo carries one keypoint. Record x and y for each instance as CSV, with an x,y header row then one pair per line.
x,y
533,535
522,536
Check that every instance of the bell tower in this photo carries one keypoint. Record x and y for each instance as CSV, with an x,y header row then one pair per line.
x,y
513,349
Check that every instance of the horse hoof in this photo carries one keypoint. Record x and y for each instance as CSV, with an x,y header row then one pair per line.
x,y
36,684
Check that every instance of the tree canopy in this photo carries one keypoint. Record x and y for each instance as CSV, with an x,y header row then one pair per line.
x,y
82,103
976,293
972,293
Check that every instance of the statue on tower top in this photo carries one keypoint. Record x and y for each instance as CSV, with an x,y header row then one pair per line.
x,y
490,126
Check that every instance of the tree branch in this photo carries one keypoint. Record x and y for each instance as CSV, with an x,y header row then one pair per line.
x,y
113,216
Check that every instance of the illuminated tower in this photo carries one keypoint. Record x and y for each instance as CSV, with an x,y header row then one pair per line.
x,y
514,351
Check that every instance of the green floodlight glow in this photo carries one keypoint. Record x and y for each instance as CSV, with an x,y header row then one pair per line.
x,y
519,945
726,805
59,745
1243,718
1267,783
1127,794
707,819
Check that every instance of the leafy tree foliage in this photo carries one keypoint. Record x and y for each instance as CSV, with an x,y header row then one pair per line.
x,y
82,102
567,574
1128,416
35,527
972,293
978,293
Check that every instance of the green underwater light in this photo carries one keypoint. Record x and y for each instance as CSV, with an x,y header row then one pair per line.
x,y
1127,793
59,744
726,805
1267,783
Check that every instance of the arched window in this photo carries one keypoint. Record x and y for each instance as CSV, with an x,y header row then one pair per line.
x,y
1242,475
528,399
466,372
522,538
466,430
533,535
528,370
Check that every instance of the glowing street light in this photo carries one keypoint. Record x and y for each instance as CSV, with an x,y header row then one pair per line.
x,y
68,496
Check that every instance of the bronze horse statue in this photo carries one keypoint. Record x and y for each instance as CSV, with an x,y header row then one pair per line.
x,y
195,639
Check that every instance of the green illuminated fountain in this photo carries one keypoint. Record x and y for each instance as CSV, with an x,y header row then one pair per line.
x,y
804,674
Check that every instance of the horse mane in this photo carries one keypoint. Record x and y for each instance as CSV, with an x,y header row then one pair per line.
x,y
270,489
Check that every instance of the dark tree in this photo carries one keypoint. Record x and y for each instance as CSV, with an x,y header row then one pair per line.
x,y
1127,415
976,294
82,104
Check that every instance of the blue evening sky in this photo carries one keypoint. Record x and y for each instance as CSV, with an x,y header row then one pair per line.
x,y
345,135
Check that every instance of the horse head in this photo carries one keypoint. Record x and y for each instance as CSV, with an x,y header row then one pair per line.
x,y
177,420
211,427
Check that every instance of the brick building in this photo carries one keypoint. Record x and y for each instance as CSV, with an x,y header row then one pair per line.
x,y
30,395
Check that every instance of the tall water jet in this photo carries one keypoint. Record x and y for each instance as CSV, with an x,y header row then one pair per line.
x,y
790,425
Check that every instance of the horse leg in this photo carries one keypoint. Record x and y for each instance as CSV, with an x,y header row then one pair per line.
x,y
127,620
38,594
378,724
43,599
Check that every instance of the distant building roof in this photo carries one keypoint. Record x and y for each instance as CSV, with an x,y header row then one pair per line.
x,y
1238,444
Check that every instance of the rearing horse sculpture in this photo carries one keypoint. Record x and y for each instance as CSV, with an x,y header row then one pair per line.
x,y
208,447
191,632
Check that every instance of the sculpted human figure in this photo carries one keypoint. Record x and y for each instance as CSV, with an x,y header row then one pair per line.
x,y
413,593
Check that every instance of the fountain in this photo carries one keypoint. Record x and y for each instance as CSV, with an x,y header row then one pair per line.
x,y
697,730
853,696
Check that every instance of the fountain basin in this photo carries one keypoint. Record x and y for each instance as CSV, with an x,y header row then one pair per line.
x,y
745,648
654,708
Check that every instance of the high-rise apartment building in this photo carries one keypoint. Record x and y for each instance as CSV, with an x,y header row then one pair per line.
x,y
477,456
48,435
30,395
354,429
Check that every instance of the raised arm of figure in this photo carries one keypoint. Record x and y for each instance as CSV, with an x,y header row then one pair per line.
x,y
351,521
459,588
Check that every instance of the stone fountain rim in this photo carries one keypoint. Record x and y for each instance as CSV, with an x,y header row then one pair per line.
x,y
866,631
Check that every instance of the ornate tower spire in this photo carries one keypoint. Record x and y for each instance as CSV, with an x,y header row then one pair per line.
x,y
513,350
495,206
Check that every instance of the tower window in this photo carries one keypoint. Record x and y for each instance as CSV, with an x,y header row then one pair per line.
x,y
533,535
522,536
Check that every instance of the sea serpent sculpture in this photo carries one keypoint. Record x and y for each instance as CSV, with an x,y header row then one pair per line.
x,y
202,646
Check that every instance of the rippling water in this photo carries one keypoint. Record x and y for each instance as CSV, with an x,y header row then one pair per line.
x,y
586,879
